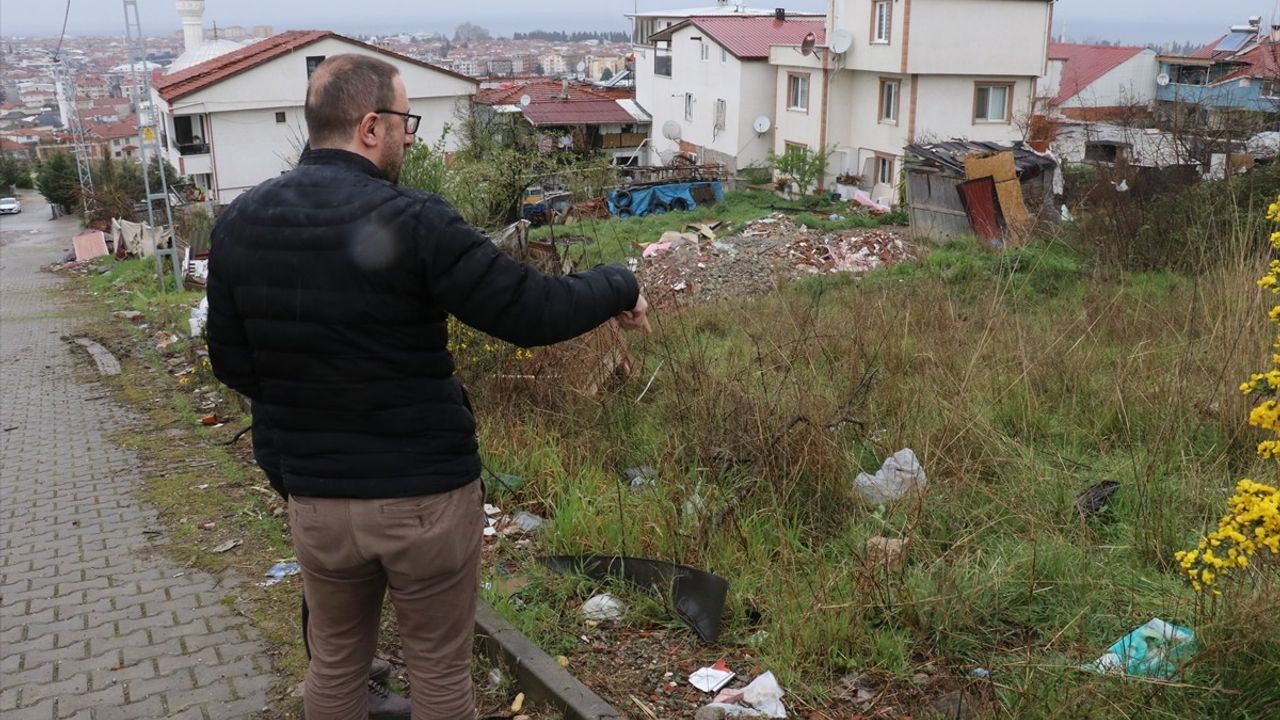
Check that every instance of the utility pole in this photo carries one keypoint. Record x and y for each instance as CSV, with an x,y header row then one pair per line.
x,y
65,86
149,146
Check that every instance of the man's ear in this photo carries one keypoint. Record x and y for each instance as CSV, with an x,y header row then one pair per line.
x,y
367,131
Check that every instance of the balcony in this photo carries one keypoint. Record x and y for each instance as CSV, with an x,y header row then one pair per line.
x,y
193,147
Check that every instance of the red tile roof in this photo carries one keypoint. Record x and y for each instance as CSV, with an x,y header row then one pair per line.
x,y
577,112
126,128
541,91
1085,64
198,77
1206,52
749,38
1262,61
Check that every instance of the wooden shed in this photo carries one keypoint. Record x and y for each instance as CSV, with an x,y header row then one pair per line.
x,y
995,191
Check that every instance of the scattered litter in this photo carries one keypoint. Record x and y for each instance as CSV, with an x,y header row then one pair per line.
x,y
604,607
885,552
178,574
1152,650
518,703
698,596
500,482
130,315
562,661
201,486
89,245
900,474
1094,499
766,251
980,672
199,317
865,200
164,340
226,546
496,678
208,525
492,510
280,571
712,678
211,420
729,696
764,695
528,522
490,531
669,241
640,477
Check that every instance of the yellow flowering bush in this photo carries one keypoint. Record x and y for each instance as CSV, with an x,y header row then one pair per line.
x,y
472,347
1252,522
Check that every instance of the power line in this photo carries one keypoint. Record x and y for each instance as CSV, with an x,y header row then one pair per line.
x,y
66,14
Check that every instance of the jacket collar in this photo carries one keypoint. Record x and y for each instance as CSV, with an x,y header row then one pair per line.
x,y
341,158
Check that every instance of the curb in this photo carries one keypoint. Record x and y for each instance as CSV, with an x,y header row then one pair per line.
x,y
539,676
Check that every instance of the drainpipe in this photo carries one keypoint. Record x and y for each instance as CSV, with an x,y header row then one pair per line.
x,y
823,119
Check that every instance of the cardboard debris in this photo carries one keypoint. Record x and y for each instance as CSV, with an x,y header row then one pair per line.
x,y
1000,168
89,245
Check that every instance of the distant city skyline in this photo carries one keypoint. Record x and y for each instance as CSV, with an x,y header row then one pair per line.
x,y
1131,21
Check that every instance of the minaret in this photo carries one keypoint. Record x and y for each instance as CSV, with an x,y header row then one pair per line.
x,y
192,14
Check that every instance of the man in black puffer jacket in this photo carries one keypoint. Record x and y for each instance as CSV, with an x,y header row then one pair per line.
x,y
329,288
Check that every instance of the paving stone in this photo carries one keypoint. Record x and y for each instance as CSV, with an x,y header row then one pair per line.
x,y
88,611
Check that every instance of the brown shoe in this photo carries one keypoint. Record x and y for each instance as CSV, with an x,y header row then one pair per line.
x,y
386,705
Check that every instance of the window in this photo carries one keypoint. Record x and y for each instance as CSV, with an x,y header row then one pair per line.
x,y
688,106
881,21
705,49
1269,89
991,103
889,101
724,56
884,170
662,61
721,112
280,117
313,62
798,92
794,149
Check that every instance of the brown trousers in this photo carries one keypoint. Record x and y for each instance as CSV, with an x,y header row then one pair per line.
x,y
426,550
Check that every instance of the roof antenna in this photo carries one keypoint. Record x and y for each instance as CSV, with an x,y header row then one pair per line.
x,y
215,30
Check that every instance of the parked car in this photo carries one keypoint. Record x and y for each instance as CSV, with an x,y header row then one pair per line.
x,y
10,206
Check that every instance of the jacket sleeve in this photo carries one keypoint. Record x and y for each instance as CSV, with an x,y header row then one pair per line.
x,y
229,350
468,276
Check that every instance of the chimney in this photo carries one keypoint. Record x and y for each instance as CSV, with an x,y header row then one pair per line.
x,y
780,14
192,14
1275,33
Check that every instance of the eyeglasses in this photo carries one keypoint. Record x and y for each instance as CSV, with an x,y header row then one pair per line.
x,y
410,120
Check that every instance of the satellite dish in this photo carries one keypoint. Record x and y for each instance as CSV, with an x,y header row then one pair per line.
x,y
525,100
762,124
581,66
566,141
1162,79
840,42
806,47
671,130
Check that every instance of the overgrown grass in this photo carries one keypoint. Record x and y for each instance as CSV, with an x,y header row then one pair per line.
x,y
1020,379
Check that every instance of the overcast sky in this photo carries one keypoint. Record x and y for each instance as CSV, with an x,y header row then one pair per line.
x,y
1134,21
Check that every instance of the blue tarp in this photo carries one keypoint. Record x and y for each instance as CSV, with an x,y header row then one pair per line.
x,y
644,200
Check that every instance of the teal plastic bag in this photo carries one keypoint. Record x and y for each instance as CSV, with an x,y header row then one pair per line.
x,y
1153,650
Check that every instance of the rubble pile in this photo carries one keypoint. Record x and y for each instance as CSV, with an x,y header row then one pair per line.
x,y
699,266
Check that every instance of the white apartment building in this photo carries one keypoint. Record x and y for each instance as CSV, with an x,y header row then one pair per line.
x,y
716,83
236,120
892,72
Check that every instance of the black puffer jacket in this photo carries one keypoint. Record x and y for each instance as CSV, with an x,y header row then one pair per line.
x,y
328,293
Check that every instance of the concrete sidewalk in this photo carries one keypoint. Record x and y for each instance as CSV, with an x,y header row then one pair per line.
x,y
92,623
